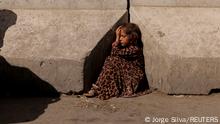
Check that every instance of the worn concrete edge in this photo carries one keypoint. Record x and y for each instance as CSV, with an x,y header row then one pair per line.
x,y
34,64
176,3
199,77
41,59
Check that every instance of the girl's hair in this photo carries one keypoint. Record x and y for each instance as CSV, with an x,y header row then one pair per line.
x,y
134,33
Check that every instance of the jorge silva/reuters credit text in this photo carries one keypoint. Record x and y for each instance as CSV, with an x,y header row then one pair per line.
x,y
199,120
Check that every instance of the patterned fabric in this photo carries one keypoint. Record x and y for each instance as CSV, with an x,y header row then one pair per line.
x,y
122,73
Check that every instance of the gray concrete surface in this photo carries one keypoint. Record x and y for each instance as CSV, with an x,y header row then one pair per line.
x,y
81,110
53,40
181,47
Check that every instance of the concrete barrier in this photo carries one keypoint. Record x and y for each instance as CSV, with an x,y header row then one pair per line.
x,y
53,38
181,45
65,42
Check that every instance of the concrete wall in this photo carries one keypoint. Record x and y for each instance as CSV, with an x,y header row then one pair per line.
x,y
181,44
53,37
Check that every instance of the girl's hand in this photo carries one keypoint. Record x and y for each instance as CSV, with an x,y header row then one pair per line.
x,y
118,34
118,31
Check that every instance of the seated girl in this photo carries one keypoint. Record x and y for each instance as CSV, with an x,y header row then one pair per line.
x,y
123,73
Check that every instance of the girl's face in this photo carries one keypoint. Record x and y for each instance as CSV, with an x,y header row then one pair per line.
x,y
124,40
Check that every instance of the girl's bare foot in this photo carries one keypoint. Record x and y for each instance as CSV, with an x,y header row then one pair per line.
x,y
95,86
91,93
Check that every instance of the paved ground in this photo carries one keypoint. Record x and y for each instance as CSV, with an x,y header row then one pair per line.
x,y
80,110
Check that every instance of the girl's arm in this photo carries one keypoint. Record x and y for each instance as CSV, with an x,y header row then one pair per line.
x,y
115,43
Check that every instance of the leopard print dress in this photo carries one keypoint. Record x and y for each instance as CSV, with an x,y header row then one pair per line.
x,y
122,73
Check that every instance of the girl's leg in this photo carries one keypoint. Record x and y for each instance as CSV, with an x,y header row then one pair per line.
x,y
105,86
132,77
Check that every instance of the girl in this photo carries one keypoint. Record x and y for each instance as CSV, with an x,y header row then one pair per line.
x,y
123,71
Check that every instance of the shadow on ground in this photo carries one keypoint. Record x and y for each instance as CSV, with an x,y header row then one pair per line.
x,y
214,91
17,110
